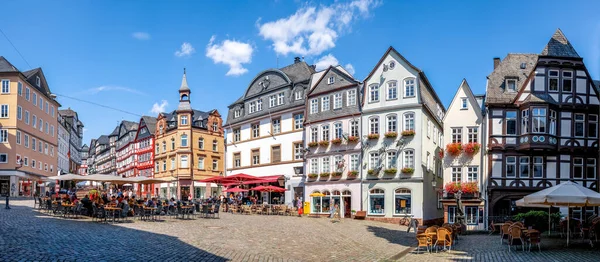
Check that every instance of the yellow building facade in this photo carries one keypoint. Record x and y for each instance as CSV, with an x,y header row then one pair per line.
x,y
189,146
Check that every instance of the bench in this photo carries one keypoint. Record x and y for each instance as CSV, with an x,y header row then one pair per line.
x,y
360,215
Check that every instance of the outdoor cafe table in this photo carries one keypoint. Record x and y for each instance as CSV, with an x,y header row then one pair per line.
x,y
68,208
187,210
152,211
113,211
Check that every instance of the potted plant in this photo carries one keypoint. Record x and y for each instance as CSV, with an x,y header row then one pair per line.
x,y
312,144
336,141
373,136
471,148
470,188
352,139
371,172
336,174
312,175
352,174
390,171
324,143
391,134
408,170
353,212
324,175
452,187
408,133
454,149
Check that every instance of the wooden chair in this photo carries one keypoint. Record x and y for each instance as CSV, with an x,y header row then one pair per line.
x,y
516,234
504,233
423,241
444,237
535,239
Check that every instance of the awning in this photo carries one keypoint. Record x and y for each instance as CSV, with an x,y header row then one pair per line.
x,y
258,180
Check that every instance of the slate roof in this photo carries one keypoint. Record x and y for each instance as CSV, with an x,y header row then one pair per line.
x,y
560,46
539,98
597,85
115,132
103,140
184,84
298,72
199,118
509,67
150,123
6,66
67,112
85,148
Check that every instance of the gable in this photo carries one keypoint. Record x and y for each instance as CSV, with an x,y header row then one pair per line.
x,y
340,80
266,82
464,91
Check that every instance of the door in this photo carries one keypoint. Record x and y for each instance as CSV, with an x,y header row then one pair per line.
x,y
347,206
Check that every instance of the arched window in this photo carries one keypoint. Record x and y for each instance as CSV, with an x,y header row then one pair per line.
x,y
392,90
316,202
409,121
409,158
392,123
184,162
164,146
346,193
337,130
184,140
374,125
377,201
392,159
326,202
172,143
336,192
402,201
184,97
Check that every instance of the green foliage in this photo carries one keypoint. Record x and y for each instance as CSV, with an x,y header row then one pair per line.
x,y
537,219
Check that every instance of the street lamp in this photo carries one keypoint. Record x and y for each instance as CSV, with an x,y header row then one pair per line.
x,y
434,182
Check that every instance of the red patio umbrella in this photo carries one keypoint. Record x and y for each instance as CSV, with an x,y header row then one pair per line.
x,y
235,190
216,180
269,189
241,178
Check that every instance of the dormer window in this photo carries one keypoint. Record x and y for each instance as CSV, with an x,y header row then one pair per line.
x,y
37,81
298,95
236,113
330,80
511,85
215,127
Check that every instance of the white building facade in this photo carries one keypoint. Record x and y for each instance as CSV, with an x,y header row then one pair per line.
x,y
402,135
63,147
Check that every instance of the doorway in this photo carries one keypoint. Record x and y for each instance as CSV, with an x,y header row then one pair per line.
x,y
347,200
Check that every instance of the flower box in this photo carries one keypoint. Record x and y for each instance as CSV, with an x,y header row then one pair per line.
x,y
469,187
371,172
452,187
408,133
336,141
336,174
324,143
313,175
408,170
324,175
312,144
454,149
391,134
352,174
352,139
373,136
390,171
471,148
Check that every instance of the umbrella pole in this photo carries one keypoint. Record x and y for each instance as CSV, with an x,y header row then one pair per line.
x,y
549,223
568,224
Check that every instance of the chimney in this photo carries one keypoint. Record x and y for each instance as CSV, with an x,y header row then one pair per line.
x,y
496,62
296,60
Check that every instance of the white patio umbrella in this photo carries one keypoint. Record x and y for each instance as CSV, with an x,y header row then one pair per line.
x,y
67,177
567,194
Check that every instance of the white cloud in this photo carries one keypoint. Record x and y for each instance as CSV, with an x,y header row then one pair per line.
x,y
186,50
349,68
231,53
141,35
326,61
159,108
107,88
313,30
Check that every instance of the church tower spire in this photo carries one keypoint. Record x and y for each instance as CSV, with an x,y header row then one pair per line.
x,y
184,95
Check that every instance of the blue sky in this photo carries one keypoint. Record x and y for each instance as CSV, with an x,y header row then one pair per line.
x,y
130,54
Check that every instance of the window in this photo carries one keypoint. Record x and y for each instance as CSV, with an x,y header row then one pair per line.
x,y
337,101
354,128
374,125
259,105
40,145
164,144
377,201
525,121
272,101
33,163
538,166
3,136
37,81
338,163
511,166
409,158
351,97
20,89
276,126
164,165
511,85
52,130
592,126
472,134
354,162
374,160
252,107
409,87
52,110
184,162
215,126
451,214
579,125
392,123
5,86
325,103
428,128
215,145
298,151
314,134
524,166
41,124
46,129
392,159
314,166
27,93
553,80
374,93
41,103
184,120
463,103
26,161
18,137
402,200
34,99
314,106
298,95
409,121
200,162
172,144
456,174
457,135
330,80
255,130
26,140
298,121
46,148
172,163
392,92
19,113
255,156
236,135
33,143
26,117
156,168
472,173
590,168
184,140
471,215
236,113
577,167
4,111
200,143
215,165
280,98
51,150
538,120
237,160
46,108
325,166
325,132
511,122
337,130
275,154
567,82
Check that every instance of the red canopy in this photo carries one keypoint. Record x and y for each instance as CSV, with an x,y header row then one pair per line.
x,y
216,180
240,178
260,179
235,190
269,189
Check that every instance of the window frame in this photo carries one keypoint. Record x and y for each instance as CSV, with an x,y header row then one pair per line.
x,y
408,204
314,106
410,87
456,174
511,120
392,90
577,122
325,103
567,79
391,123
550,78
374,125
508,85
351,97
337,101
298,122
378,193
408,158
512,163
373,93
409,121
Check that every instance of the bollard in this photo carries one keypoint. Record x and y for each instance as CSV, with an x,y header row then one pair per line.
x,y
7,207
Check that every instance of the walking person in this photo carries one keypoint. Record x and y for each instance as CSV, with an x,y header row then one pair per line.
x,y
300,206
